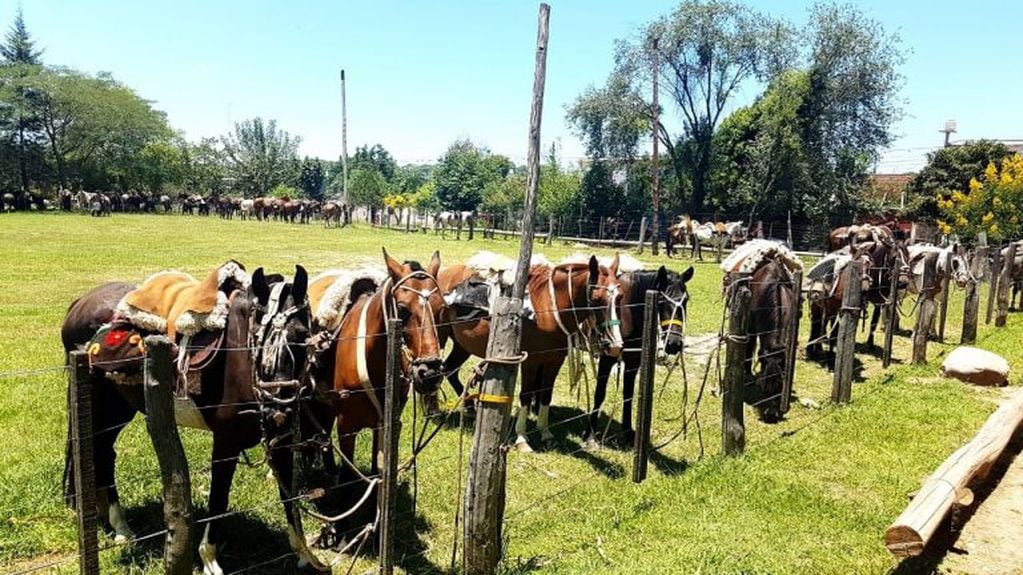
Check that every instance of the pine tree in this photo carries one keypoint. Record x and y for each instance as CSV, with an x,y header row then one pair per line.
x,y
18,47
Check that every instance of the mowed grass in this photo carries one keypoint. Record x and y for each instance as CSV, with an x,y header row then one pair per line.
x,y
813,494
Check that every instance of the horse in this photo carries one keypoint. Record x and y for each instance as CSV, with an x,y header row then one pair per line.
x,y
681,233
354,363
449,220
826,285
332,212
672,306
228,404
717,235
563,298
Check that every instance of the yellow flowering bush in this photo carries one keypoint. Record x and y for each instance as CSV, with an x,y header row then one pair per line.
x,y
992,204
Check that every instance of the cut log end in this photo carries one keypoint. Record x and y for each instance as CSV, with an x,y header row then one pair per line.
x,y
903,541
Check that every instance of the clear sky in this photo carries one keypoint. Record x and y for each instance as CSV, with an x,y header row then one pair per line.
x,y
421,74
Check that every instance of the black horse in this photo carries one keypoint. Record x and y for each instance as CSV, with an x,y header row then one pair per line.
x,y
228,402
671,311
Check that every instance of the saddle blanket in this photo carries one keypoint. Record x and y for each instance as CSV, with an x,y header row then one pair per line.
x,y
333,292
748,257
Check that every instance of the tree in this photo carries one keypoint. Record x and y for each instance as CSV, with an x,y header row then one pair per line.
x,y
17,114
367,187
464,171
205,166
158,164
311,178
18,46
261,155
375,158
992,204
559,190
951,169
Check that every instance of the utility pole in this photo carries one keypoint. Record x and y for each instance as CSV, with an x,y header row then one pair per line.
x,y
950,128
655,171
344,149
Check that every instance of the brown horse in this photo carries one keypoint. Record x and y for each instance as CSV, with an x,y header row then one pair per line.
x,y
563,298
356,360
228,403
826,302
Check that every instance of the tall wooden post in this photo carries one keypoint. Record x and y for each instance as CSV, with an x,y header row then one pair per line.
x,y
550,231
943,304
971,307
845,347
642,233
344,151
177,485
391,435
891,312
793,342
733,389
788,231
645,399
925,310
485,489
80,405
1004,283
655,172
993,280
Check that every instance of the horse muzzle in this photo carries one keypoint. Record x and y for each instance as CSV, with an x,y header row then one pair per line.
x,y
427,374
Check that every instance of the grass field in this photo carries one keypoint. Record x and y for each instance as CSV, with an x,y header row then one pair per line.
x,y
813,494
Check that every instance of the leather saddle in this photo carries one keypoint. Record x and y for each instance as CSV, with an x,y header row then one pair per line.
x,y
470,299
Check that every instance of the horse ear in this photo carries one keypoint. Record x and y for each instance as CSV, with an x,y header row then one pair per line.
x,y
300,285
393,267
614,265
259,287
688,274
662,279
594,270
435,264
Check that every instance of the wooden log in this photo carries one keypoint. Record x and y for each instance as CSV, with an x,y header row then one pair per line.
x,y
925,310
943,302
733,388
845,347
891,313
950,483
485,489
645,397
971,307
177,485
390,436
1004,283
793,342
993,277
80,406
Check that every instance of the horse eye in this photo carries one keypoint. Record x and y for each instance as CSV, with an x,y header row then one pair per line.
x,y
404,313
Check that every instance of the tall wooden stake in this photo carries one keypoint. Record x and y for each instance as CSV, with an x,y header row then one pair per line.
x,y
971,307
485,489
177,485
80,418
733,389
645,400
845,347
344,151
642,234
1004,283
891,313
993,278
943,304
391,435
655,171
793,343
925,311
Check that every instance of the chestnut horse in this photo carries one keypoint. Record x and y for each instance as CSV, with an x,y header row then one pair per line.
x,y
228,403
563,298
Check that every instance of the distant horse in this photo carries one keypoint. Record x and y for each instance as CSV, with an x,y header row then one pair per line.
x,y
245,209
718,236
451,220
673,300
227,403
332,212
681,233
563,297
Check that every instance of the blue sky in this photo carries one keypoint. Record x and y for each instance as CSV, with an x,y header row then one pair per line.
x,y
421,74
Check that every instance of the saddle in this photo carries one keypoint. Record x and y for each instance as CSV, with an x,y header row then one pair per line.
x,y
470,299
748,257
332,293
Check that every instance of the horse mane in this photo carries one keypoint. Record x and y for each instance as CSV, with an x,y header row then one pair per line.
x,y
414,265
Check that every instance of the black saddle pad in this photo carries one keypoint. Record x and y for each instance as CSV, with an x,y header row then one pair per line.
x,y
470,299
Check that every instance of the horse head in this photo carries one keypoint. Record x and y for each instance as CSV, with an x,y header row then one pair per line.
x,y
604,295
280,327
956,266
415,296
672,308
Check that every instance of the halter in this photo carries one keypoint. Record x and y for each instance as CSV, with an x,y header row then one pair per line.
x,y
678,311
270,339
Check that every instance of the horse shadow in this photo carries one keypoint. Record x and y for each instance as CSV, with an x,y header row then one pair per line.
x,y
566,441
826,360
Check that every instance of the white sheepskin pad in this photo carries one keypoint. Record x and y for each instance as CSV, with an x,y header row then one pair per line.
x,y
334,303
974,365
626,263
191,323
495,268
751,255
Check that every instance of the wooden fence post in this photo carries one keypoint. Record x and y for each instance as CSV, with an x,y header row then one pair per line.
x,y
793,343
971,307
550,230
642,233
848,317
485,488
733,389
993,279
177,486
80,406
472,226
943,304
925,311
645,398
1004,283
390,436
892,313
458,227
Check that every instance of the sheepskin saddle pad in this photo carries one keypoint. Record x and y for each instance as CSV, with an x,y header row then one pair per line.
x,y
176,303
748,257
822,279
476,295
332,293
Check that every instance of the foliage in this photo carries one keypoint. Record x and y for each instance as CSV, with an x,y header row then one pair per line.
x,y
367,187
260,155
284,191
951,168
425,197
311,178
204,167
374,158
464,171
992,204
504,195
159,163
18,46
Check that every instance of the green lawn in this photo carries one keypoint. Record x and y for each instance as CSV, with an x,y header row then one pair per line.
x,y
813,494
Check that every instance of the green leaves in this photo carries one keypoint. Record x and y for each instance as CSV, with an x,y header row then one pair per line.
x,y
261,156
463,173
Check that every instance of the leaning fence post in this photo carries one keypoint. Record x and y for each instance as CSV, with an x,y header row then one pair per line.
x,y
645,398
793,343
943,305
391,434
85,470
993,280
642,233
733,389
177,486
1004,283
845,348
892,312
971,306
925,313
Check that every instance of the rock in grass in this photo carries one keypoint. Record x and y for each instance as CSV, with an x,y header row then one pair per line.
x,y
978,366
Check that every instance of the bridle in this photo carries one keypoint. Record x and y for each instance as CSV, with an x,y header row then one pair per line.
x,y
676,319
390,308
269,341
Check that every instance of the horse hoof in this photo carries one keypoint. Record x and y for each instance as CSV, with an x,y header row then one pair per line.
x,y
523,447
629,437
591,444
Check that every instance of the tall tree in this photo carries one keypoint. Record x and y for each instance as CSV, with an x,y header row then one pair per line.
x,y
311,178
374,158
205,166
18,46
22,59
463,173
951,169
260,155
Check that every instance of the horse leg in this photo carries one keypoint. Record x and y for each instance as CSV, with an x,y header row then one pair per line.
x,y
548,375
530,373
455,360
283,463
631,366
599,393
874,319
225,462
